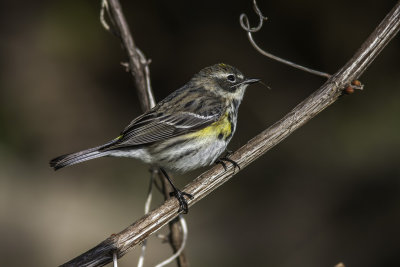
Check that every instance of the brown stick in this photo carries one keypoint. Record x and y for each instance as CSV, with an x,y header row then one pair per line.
x,y
176,236
137,67
136,63
213,178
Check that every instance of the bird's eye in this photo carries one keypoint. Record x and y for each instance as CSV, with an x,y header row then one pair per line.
x,y
231,78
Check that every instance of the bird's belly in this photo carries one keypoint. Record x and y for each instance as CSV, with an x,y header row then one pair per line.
x,y
192,154
196,149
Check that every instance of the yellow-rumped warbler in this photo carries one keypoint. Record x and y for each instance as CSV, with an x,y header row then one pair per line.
x,y
189,129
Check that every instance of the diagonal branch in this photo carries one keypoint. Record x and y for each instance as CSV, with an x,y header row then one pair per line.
x,y
213,178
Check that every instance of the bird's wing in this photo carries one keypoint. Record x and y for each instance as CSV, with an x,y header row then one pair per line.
x,y
156,126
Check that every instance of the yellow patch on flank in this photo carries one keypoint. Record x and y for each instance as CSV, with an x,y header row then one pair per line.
x,y
222,126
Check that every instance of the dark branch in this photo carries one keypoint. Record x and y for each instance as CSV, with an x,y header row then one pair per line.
x,y
137,61
213,178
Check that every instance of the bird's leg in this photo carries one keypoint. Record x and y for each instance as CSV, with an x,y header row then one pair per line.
x,y
178,194
226,158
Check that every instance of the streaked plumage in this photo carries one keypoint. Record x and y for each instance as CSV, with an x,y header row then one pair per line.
x,y
190,128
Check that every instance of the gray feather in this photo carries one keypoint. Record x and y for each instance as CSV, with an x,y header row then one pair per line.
x,y
164,121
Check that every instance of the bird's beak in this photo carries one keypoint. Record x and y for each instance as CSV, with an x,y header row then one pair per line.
x,y
250,81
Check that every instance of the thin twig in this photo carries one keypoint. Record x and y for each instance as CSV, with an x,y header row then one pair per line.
x,y
104,8
177,238
213,178
146,210
115,259
245,24
179,255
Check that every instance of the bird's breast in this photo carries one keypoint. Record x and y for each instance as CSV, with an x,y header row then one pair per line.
x,y
222,129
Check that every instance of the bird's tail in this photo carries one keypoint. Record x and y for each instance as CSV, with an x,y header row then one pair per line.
x,y
81,156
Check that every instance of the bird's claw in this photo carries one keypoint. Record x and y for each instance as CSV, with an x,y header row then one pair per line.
x,y
180,196
226,158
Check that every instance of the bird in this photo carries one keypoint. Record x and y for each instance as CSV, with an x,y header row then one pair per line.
x,y
187,130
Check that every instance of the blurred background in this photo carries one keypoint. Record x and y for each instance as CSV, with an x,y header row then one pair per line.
x,y
328,193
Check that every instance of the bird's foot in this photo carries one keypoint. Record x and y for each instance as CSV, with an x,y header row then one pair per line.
x,y
180,196
225,158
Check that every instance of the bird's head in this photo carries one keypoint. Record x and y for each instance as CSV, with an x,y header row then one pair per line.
x,y
223,80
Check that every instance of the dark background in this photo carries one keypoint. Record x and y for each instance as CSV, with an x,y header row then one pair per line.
x,y
329,193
